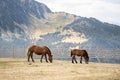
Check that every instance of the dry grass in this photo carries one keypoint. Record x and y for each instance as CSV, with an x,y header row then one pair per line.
x,y
20,69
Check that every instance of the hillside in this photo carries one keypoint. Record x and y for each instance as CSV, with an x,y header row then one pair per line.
x,y
28,21
86,33
93,32
20,69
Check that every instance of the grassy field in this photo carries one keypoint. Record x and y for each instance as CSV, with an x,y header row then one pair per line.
x,y
20,69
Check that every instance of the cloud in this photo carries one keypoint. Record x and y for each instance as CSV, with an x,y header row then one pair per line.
x,y
104,10
113,1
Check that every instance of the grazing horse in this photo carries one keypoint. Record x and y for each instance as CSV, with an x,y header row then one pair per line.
x,y
39,50
81,53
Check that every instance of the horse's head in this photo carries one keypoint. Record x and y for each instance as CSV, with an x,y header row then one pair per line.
x,y
50,58
86,59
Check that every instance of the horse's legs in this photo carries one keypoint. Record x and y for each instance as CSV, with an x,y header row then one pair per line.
x,y
28,57
75,59
41,59
32,57
72,59
46,58
81,59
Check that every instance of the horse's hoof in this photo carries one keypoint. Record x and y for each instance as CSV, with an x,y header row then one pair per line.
x,y
30,64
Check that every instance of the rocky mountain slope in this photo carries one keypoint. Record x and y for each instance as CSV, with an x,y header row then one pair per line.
x,y
27,21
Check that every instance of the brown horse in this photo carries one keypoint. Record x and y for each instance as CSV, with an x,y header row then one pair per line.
x,y
81,53
39,50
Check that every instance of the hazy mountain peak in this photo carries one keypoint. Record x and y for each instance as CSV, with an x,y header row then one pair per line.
x,y
29,20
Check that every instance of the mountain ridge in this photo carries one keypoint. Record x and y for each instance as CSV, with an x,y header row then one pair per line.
x,y
28,21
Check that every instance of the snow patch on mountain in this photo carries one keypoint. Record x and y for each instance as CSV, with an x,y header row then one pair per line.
x,y
73,37
76,47
9,36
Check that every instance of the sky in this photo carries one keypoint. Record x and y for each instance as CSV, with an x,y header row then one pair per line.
x,y
103,10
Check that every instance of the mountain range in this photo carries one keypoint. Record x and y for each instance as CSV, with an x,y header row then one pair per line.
x,y
25,22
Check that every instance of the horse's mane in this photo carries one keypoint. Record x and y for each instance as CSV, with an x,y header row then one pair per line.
x,y
86,53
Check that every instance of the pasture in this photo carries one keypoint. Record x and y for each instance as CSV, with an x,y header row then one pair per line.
x,y
20,69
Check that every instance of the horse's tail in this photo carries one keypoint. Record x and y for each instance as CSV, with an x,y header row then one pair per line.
x,y
28,52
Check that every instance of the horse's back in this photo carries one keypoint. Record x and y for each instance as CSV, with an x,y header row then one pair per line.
x,y
74,51
77,52
39,49
31,47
